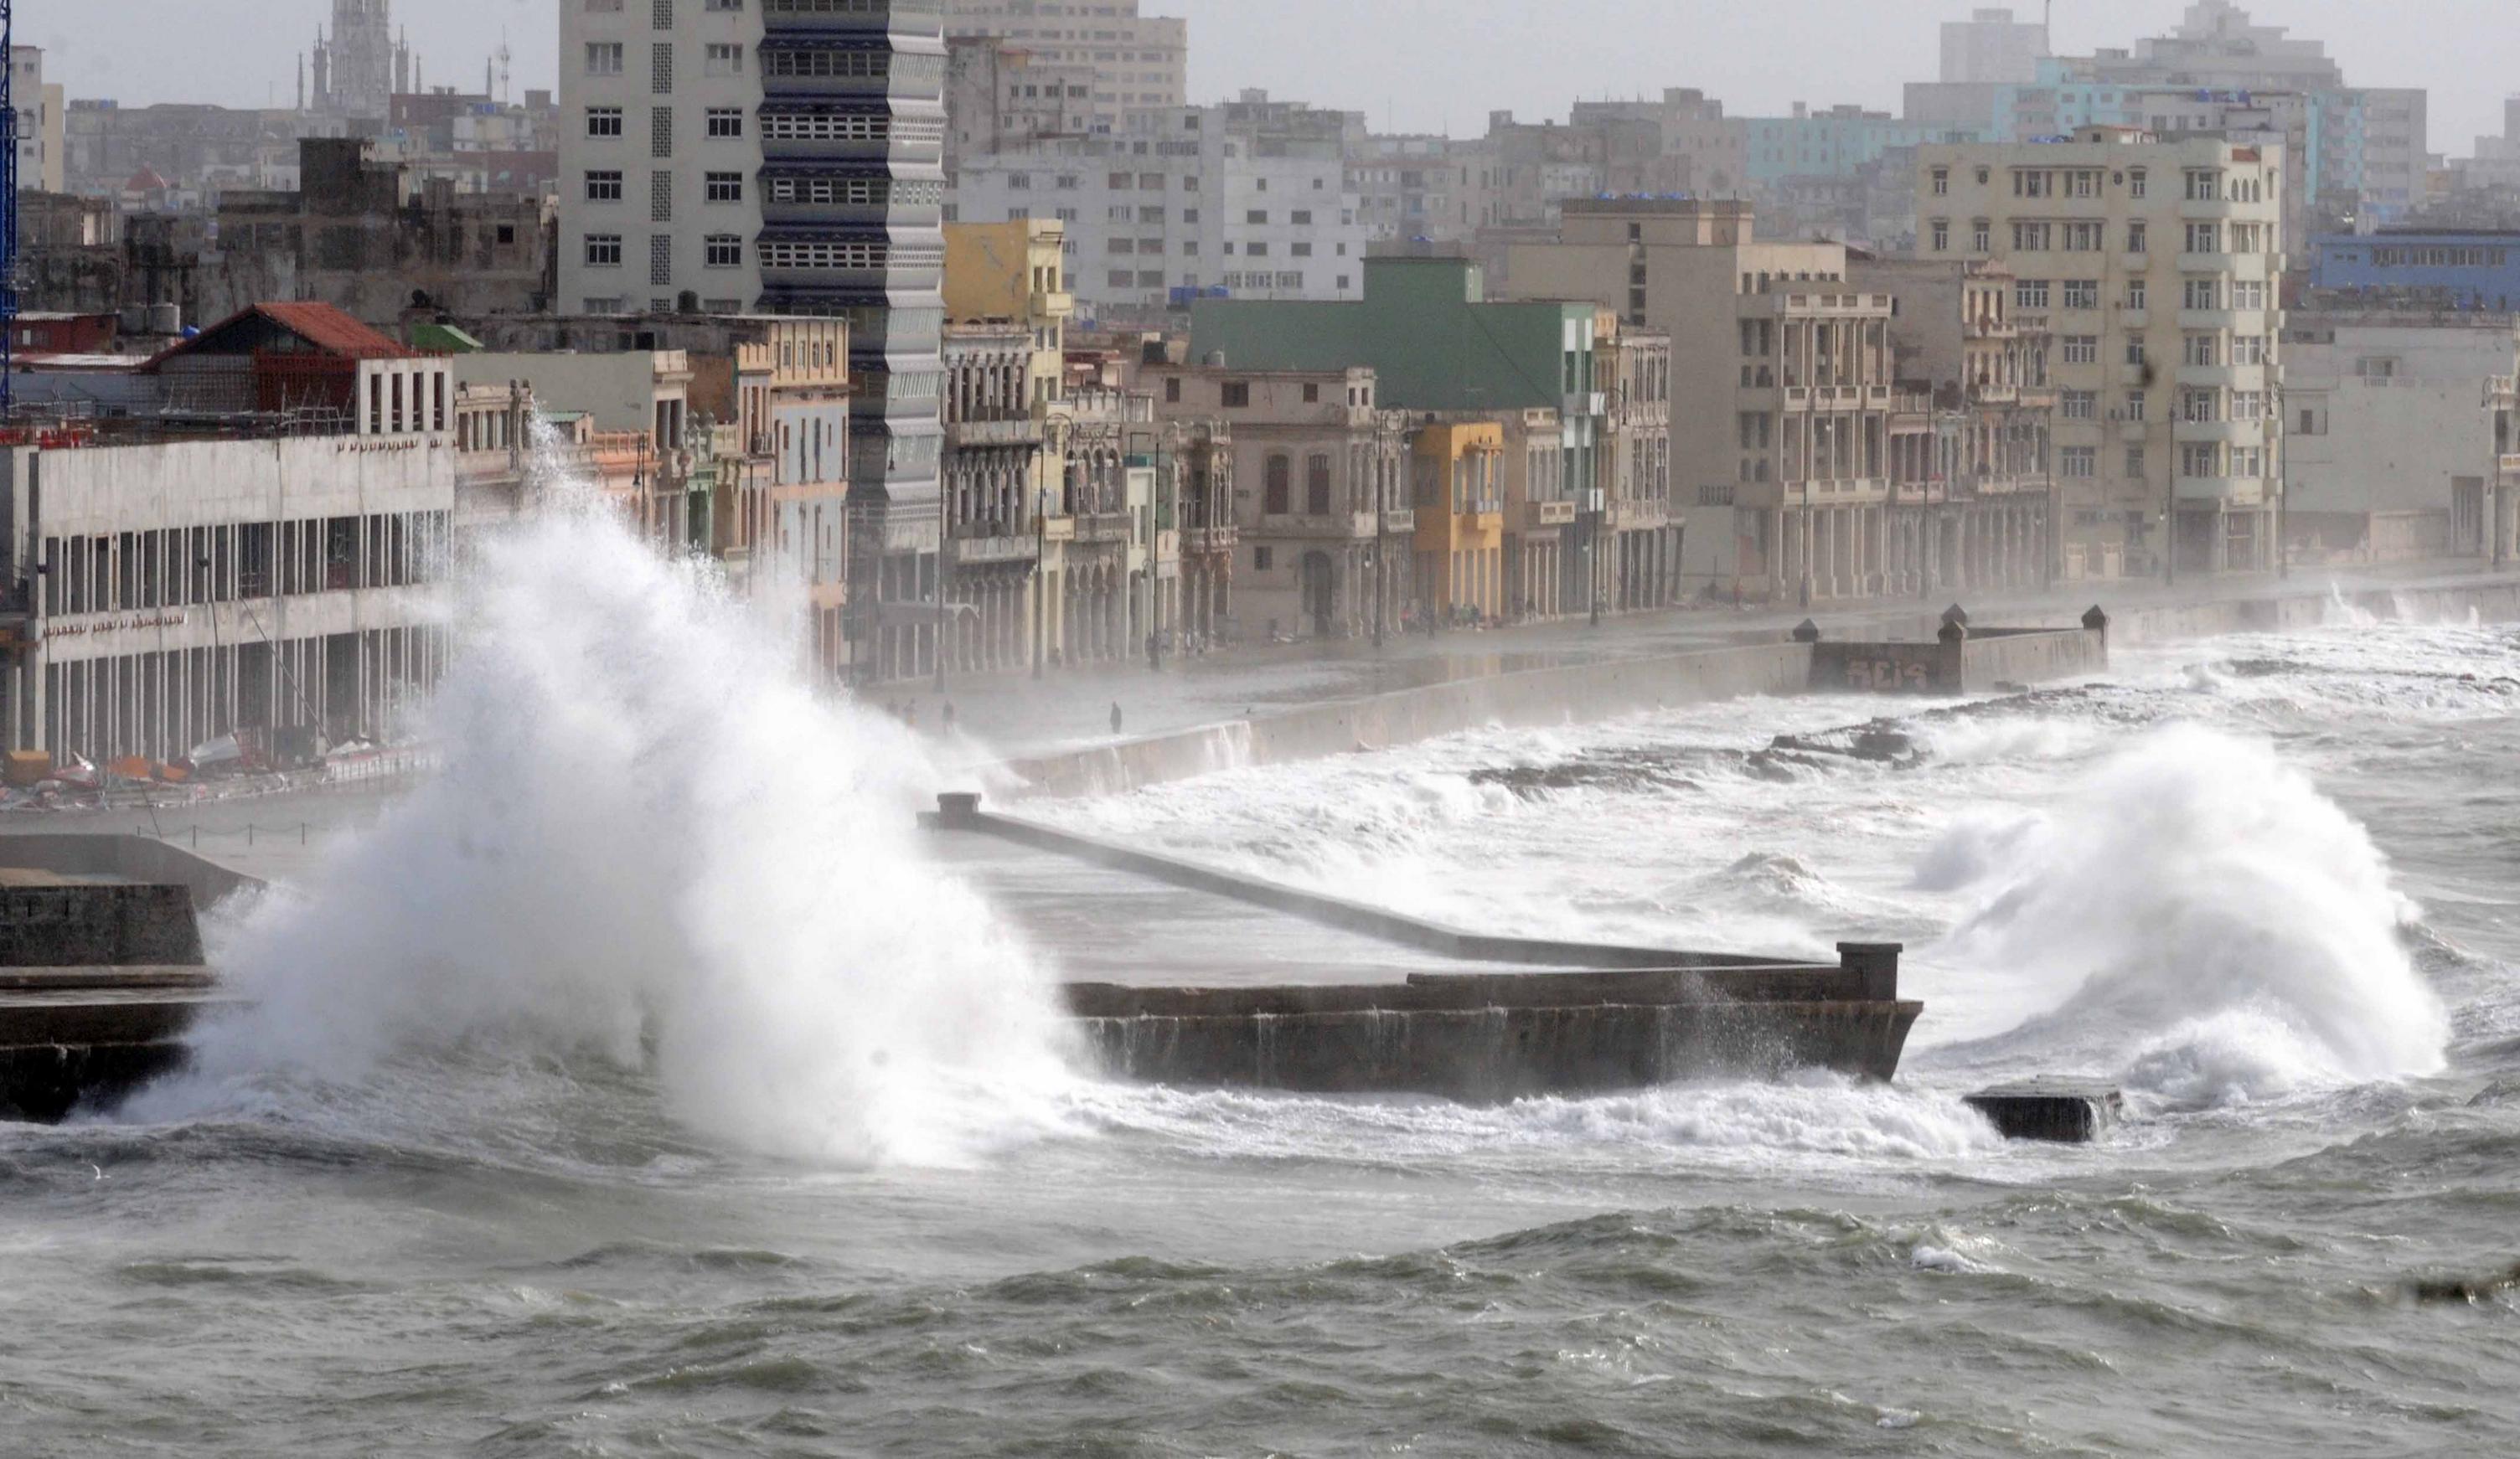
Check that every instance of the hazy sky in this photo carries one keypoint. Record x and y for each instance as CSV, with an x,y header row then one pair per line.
x,y
1417,65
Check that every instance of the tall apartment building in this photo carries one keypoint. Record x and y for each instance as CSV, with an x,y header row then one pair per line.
x,y
40,153
2156,265
1000,97
785,157
1991,46
1253,196
1780,391
1138,62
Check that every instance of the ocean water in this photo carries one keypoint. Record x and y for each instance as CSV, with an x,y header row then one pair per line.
x,y
640,1088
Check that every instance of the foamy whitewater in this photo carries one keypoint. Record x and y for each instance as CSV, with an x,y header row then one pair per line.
x,y
644,1085
654,843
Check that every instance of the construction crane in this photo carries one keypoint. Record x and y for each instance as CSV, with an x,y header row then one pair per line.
x,y
8,211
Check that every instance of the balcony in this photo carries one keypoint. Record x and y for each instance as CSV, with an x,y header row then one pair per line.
x,y
1057,529
2228,491
1343,526
1103,527
2512,468
1990,329
2209,209
2132,317
1005,431
2135,432
2134,263
2210,319
1581,404
1400,523
1541,515
1200,541
2233,433
989,552
1051,308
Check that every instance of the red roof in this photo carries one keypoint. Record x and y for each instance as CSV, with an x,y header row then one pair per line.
x,y
329,331
146,180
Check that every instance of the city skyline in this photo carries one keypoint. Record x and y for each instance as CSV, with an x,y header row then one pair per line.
x,y
1523,65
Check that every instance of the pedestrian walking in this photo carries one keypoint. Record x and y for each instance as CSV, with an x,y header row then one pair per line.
x,y
1115,717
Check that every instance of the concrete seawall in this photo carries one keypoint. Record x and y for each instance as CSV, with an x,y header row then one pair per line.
x,y
1581,693
91,925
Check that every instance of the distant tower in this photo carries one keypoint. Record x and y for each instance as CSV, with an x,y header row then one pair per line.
x,y
361,65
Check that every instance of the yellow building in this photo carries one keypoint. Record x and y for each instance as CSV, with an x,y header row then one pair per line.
x,y
1014,273
1458,468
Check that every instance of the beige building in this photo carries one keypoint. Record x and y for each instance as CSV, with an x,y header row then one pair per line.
x,y
1782,429
993,474
2157,266
1972,497
1643,567
1320,489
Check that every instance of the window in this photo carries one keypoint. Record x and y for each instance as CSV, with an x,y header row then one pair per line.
x,y
2247,237
1942,181
2201,350
603,121
1256,251
2135,348
2248,404
2137,183
2134,463
723,59
604,250
725,251
2032,238
1277,482
726,187
1301,250
2030,293
2079,463
2080,405
604,186
2084,238
2201,293
2204,237
2248,294
2135,405
2081,293
604,58
2200,405
2139,238
1317,484
725,121
2248,461
2082,349
2200,459
1257,215
1259,559
1238,395
2136,294
2248,349
1942,235
2204,187
1301,217
1982,236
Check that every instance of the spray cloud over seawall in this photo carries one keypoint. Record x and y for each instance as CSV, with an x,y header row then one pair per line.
x,y
653,842
2211,920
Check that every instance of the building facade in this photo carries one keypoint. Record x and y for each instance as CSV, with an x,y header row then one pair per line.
x,y
1783,428
360,66
2158,265
42,151
1136,62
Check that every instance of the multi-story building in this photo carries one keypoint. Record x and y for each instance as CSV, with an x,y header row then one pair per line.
x,y
1785,428
1642,565
1992,47
638,407
1000,97
994,458
788,158
42,157
1971,497
2386,457
1435,341
1457,476
1321,487
2420,267
1137,63
267,574
1252,197
2158,263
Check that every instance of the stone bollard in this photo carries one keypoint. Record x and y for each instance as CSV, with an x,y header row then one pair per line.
x,y
1873,969
958,808
1808,633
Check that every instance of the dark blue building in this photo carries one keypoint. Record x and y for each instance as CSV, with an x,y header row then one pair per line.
x,y
2458,270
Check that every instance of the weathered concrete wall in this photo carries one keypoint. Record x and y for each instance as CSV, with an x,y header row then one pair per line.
x,y
1911,668
1999,657
136,858
1499,1053
1547,696
97,925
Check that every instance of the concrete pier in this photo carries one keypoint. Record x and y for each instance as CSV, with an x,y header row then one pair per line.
x,y
1541,1016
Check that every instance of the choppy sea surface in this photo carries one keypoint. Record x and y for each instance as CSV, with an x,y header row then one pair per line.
x,y
2267,884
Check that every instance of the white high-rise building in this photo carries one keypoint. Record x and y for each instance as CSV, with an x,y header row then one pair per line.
x,y
785,157
1138,62
1253,197
2156,267
1992,48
